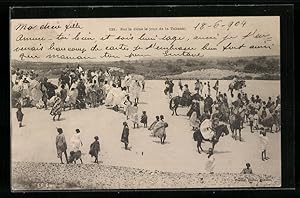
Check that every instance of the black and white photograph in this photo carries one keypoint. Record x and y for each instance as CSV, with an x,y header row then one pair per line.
x,y
145,103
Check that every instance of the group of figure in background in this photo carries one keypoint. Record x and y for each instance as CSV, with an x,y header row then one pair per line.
x,y
202,88
206,112
76,89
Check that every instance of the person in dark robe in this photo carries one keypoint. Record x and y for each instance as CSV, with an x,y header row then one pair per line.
x,y
45,99
208,88
197,85
195,105
119,82
225,100
49,87
216,114
144,119
95,149
216,87
167,84
208,101
180,84
20,115
81,94
277,101
269,102
171,88
125,135
252,99
185,95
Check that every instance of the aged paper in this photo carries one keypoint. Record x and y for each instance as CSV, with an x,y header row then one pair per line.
x,y
86,93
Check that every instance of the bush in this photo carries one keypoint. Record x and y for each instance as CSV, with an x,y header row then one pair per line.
x,y
130,68
174,68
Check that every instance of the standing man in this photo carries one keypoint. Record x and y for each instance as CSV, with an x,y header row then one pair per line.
x,y
208,101
216,87
61,145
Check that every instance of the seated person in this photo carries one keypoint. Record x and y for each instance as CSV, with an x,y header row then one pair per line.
x,y
247,170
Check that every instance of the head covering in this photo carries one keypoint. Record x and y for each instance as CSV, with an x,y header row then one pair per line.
x,y
77,131
59,130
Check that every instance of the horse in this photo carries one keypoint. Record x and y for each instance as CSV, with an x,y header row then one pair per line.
x,y
235,123
236,86
269,122
220,131
183,101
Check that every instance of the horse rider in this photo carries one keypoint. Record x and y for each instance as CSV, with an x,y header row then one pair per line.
x,y
185,94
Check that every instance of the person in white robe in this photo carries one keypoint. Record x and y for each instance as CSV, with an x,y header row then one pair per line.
x,y
135,91
109,101
76,142
205,90
127,80
35,91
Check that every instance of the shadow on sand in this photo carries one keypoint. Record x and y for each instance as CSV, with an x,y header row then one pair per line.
x,y
158,142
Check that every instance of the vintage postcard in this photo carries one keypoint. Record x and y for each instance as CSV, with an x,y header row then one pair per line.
x,y
145,103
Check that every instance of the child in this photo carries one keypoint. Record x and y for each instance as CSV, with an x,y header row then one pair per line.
x,y
95,149
264,142
144,119
20,116
125,134
135,120
247,170
251,120
134,115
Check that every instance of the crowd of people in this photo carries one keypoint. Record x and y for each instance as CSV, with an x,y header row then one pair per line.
x,y
258,112
76,89
79,89
207,112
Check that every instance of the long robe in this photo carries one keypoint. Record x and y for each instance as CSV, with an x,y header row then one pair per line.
x,y
111,96
57,107
73,94
35,91
125,134
76,142
135,90
94,149
160,129
61,144
151,127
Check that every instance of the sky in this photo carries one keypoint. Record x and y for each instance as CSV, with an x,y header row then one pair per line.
x,y
266,29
